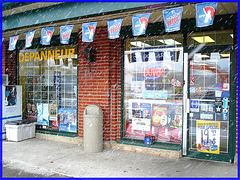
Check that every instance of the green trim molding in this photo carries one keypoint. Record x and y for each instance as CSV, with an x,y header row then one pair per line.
x,y
69,11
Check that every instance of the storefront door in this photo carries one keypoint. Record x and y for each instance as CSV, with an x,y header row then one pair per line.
x,y
209,104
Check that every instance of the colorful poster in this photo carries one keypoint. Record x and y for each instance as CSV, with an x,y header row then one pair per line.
x,y
68,119
65,33
32,112
43,114
13,42
208,136
46,35
53,112
205,13
141,110
10,99
139,23
172,19
29,38
88,31
141,124
159,115
114,27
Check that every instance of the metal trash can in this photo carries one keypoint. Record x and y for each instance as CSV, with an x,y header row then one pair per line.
x,y
93,129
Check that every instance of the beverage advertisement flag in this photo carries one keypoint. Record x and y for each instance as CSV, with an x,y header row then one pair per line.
x,y
29,38
205,13
88,31
172,19
46,35
65,33
139,23
13,42
208,136
114,27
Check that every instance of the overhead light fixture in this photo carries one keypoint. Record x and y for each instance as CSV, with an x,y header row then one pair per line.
x,y
169,41
204,56
203,39
225,55
140,44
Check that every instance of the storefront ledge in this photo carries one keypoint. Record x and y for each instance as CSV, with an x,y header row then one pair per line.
x,y
73,140
174,153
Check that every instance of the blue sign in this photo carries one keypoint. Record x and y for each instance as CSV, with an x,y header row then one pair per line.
x,y
155,94
225,93
88,31
65,33
114,27
13,42
194,105
225,114
139,23
46,35
172,19
205,13
225,102
29,38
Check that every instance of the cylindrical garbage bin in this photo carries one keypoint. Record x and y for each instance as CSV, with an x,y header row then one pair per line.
x,y
93,129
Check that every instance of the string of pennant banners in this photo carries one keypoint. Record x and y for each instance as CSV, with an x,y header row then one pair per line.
x,y
205,13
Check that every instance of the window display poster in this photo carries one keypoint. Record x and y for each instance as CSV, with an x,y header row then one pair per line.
x,y
43,114
141,124
10,99
53,112
68,119
159,115
141,110
208,136
32,112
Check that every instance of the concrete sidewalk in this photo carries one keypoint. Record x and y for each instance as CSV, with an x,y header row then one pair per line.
x,y
51,157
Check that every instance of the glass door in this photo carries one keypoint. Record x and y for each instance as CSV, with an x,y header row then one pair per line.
x,y
211,105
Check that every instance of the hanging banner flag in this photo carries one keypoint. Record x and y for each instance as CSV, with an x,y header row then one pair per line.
x,y
29,38
88,31
172,19
114,27
46,35
13,42
205,13
65,33
139,23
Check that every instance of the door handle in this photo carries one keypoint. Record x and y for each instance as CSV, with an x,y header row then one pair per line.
x,y
187,105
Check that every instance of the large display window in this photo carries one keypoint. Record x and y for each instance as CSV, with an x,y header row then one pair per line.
x,y
153,87
210,89
49,80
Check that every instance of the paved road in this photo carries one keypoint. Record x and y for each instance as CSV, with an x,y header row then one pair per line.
x,y
9,172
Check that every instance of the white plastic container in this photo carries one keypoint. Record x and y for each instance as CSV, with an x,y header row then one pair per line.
x,y
20,132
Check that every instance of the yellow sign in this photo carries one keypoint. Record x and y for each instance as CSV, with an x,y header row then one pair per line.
x,y
47,54
208,136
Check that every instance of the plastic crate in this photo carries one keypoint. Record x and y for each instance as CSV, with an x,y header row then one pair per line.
x,y
19,130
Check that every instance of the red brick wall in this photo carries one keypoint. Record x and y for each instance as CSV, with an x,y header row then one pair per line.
x,y
9,63
101,86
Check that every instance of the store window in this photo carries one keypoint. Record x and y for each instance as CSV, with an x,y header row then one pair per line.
x,y
153,88
49,80
210,94
210,38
